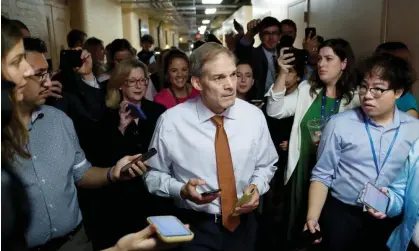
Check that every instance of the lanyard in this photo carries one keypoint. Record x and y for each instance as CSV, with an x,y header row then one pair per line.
x,y
374,156
335,106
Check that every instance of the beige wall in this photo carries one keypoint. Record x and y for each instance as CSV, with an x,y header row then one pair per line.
x,y
131,29
30,12
403,25
242,15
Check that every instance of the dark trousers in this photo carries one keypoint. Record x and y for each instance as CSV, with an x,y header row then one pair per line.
x,y
210,235
412,247
345,227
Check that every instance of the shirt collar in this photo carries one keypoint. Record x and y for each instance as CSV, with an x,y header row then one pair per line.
x,y
205,114
397,119
37,113
268,53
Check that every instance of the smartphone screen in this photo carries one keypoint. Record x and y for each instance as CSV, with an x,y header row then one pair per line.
x,y
375,198
169,226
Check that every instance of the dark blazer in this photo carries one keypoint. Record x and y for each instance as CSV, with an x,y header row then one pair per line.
x,y
123,207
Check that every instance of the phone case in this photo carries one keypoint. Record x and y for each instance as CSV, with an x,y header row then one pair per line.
x,y
243,200
172,239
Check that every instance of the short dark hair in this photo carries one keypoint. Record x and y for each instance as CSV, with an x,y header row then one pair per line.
x,y
147,39
75,36
19,24
290,23
120,44
244,61
390,47
33,44
397,71
92,42
268,22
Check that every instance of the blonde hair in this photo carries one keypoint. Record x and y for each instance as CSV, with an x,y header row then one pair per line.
x,y
205,53
118,76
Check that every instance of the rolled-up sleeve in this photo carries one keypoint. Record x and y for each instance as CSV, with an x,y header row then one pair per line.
x,y
266,159
328,155
159,180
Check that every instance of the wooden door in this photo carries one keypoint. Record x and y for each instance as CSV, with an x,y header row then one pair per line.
x,y
58,23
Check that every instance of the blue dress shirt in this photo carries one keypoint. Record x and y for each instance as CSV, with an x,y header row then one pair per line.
x,y
345,161
404,197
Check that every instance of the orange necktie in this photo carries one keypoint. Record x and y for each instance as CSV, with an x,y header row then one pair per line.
x,y
226,178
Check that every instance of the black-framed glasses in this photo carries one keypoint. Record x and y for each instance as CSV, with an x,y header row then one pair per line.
x,y
134,82
375,92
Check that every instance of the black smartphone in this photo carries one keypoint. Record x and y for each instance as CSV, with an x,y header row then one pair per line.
x,y
301,56
211,192
313,32
142,158
70,59
307,238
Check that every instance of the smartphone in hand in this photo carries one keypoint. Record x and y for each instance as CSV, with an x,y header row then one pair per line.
x,y
136,111
142,158
211,192
375,199
170,229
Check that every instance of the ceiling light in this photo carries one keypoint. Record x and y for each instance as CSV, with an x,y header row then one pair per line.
x,y
211,1
206,21
210,11
202,27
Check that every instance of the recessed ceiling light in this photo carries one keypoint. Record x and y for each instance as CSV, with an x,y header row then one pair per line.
x,y
210,11
211,1
206,21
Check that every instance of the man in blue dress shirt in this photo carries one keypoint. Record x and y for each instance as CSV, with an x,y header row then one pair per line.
x,y
57,164
367,144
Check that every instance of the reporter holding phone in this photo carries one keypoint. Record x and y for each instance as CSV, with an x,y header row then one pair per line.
x,y
214,141
404,200
367,144
331,89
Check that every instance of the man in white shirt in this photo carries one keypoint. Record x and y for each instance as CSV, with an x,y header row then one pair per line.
x,y
209,143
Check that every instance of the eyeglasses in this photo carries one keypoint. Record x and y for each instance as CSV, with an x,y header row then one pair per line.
x,y
41,77
273,33
375,92
135,82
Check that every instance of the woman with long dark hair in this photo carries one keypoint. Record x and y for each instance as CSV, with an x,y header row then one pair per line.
x,y
330,90
14,69
176,74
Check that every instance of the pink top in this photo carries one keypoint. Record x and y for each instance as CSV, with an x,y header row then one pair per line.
x,y
166,98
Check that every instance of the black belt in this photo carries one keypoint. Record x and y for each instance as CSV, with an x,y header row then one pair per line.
x,y
56,243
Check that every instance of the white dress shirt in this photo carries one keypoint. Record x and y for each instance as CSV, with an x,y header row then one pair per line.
x,y
185,143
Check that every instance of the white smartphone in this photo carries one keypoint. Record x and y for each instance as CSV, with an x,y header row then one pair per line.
x,y
375,199
170,229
